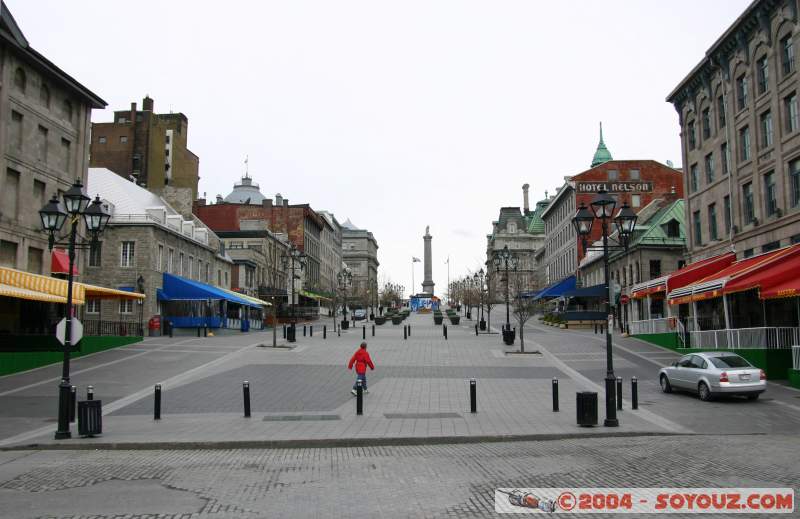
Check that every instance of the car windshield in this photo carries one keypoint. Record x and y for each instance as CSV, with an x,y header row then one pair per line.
x,y
730,361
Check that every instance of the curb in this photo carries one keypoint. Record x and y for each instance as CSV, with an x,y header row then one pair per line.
x,y
330,443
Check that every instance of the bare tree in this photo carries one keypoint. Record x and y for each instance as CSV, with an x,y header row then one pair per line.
x,y
523,308
489,297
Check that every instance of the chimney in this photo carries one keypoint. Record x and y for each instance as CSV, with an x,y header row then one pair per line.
x,y
278,199
525,198
219,199
267,203
133,113
147,104
286,203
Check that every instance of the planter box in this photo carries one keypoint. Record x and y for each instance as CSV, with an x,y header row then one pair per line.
x,y
380,320
455,319
397,320
438,320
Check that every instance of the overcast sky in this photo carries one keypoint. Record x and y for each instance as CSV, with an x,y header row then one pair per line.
x,y
396,115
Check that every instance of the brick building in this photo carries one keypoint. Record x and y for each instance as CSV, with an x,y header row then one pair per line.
x,y
44,142
637,182
150,148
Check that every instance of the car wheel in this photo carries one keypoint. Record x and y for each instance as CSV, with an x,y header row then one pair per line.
x,y
704,392
665,385
754,396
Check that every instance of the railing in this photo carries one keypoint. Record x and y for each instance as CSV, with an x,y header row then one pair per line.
x,y
796,358
96,327
757,338
663,325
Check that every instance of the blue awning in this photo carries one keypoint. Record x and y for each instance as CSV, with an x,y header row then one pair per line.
x,y
595,291
557,289
177,288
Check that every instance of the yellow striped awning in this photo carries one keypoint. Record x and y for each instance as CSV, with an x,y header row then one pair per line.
x,y
39,288
251,299
95,291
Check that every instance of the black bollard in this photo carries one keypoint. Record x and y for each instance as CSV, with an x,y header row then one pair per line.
x,y
444,330
324,331
595,328
284,331
157,402
339,332
473,396
476,330
170,328
246,391
364,331
198,332
619,393
634,393
405,333
555,395
304,330
90,393
373,330
359,398
311,331
73,401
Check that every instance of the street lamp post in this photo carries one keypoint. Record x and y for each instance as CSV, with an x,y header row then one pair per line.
x,y
479,281
53,215
345,279
506,260
602,208
290,259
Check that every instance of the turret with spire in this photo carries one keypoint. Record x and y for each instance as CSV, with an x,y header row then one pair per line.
x,y
602,154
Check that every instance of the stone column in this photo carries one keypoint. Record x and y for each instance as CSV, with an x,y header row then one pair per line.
x,y
427,282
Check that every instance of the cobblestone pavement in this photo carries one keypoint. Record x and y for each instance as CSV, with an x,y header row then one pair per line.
x,y
403,481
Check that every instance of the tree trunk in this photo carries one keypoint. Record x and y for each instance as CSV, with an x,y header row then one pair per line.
x,y
521,338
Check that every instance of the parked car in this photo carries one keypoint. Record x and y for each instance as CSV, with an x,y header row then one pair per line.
x,y
359,314
711,374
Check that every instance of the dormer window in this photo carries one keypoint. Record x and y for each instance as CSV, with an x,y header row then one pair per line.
x,y
512,227
672,228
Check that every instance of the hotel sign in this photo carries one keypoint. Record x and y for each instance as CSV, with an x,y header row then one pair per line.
x,y
614,187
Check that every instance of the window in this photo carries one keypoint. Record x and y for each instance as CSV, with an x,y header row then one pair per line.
x,y
748,253
771,246
8,254
787,55
126,257
706,123
166,140
126,306
93,305
16,129
634,174
66,109
726,158
794,181
39,192
180,264
95,254
673,229
42,143
770,196
123,139
710,168
160,258
613,174
693,174
698,236
10,191
766,129
790,109
655,269
66,153
748,209
20,80
744,143
762,67
636,200
44,95
35,262
726,207
691,135
191,267
170,261
101,140
741,91
712,222
721,111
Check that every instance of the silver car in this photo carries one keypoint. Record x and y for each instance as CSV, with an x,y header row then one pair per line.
x,y
713,374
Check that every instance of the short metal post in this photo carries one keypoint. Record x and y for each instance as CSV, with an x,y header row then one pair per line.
x,y
284,331
339,332
405,333
409,330
90,393
634,393
170,328
373,330
476,330
473,396
205,331
619,393
324,331
595,328
359,398
555,395
246,390
198,331
304,330
311,330
157,402
445,332
73,401
364,331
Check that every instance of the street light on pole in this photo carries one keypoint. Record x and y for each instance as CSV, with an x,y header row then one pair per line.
x,y
602,208
53,215
345,280
506,260
290,259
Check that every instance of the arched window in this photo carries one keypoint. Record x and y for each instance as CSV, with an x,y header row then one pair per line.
x,y
44,95
20,80
67,110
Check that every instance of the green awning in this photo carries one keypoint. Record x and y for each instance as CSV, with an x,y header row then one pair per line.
x,y
312,295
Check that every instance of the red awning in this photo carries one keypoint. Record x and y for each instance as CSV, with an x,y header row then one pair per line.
x,y
699,270
59,263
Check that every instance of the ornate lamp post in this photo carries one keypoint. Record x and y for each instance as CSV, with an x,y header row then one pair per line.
x,y
345,280
479,281
53,215
295,260
602,208
506,260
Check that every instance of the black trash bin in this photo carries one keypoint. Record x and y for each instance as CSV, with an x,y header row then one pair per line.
x,y
290,334
90,418
345,324
587,408
509,336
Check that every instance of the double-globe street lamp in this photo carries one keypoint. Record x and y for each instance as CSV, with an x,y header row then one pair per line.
x,y
53,215
602,208
505,260
293,259
478,278
345,280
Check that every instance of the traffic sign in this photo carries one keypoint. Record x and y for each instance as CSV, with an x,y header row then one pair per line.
x,y
77,331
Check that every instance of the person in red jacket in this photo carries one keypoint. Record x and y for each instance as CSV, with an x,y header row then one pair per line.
x,y
361,360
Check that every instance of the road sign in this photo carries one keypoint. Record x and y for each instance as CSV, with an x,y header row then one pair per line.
x,y
624,299
77,331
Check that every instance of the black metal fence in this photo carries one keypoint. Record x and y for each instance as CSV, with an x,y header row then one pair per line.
x,y
97,327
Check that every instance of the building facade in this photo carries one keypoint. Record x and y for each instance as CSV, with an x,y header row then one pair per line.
x,y
146,238
44,140
151,149
258,267
360,253
740,136
331,253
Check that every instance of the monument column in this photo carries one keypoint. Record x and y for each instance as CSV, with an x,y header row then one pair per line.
x,y
427,283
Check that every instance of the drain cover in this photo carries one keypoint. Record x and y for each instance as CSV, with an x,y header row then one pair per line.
x,y
422,415
301,417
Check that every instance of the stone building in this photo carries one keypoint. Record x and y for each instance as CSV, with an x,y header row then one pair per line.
x,y
45,143
331,257
257,254
151,149
301,225
523,233
360,253
740,136
146,238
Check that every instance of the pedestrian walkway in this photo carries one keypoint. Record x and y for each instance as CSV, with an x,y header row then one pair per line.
x,y
419,390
